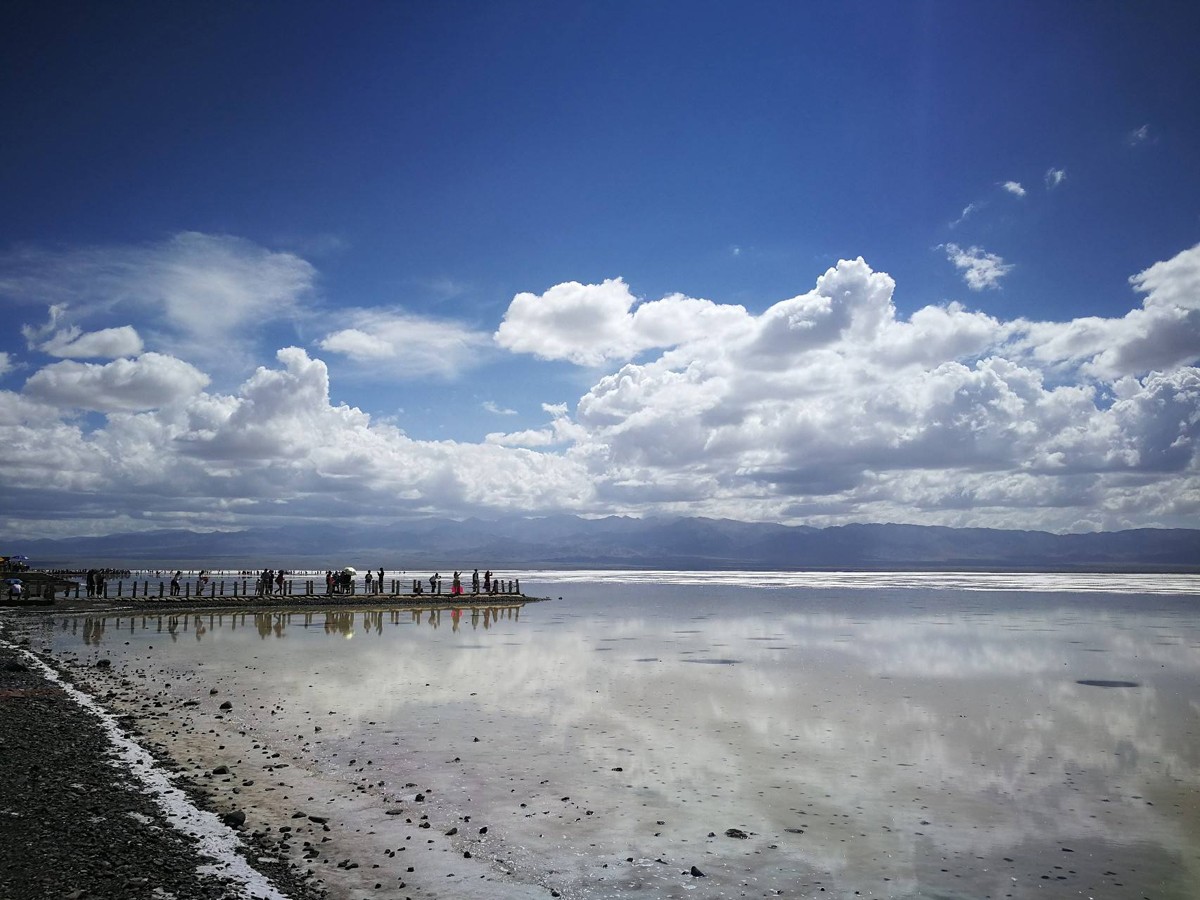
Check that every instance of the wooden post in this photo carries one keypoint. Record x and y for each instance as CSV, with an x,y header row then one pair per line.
x,y
187,589
120,586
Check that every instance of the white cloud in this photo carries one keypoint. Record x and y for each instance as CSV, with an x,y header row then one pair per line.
x,y
827,407
1055,177
357,344
405,345
277,449
969,209
6,365
539,437
1014,188
1138,136
148,382
107,343
980,269
591,324
497,410
205,296
1163,334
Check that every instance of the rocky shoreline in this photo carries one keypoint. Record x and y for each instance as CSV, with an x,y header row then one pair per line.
x,y
76,824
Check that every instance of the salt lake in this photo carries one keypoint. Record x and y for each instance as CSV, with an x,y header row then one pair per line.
x,y
946,735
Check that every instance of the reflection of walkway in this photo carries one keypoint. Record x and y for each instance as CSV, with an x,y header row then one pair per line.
x,y
345,622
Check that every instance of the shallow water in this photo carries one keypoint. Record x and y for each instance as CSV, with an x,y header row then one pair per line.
x,y
880,736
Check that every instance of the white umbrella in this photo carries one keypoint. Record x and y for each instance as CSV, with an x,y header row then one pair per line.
x,y
350,570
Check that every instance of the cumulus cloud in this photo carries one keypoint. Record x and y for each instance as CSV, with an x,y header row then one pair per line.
x,y
496,409
150,381
1055,177
591,324
406,345
276,449
1163,334
826,407
980,269
1014,188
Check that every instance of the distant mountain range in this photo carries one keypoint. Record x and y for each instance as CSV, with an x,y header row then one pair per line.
x,y
618,542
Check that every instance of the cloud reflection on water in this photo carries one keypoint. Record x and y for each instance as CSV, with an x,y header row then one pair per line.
x,y
891,735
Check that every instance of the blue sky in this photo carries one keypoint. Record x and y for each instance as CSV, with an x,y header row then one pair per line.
x,y
261,262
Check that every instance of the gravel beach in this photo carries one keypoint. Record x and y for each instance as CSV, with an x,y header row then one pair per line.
x,y
74,821
78,821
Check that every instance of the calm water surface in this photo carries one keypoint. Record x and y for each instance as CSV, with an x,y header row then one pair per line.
x,y
866,735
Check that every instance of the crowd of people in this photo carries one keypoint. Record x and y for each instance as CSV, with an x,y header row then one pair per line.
x,y
491,584
270,582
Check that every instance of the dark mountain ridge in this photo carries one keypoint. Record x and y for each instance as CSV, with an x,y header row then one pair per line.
x,y
619,542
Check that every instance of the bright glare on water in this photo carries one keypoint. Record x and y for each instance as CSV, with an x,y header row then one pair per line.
x,y
891,735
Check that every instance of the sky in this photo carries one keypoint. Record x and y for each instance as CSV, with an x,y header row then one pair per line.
x,y
808,263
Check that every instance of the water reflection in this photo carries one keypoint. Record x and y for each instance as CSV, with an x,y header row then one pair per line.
x,y
911,744
91,629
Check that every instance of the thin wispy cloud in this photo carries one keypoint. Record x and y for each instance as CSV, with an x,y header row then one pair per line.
x,y
1055,177
393,342
204,296
968,210
1138,136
